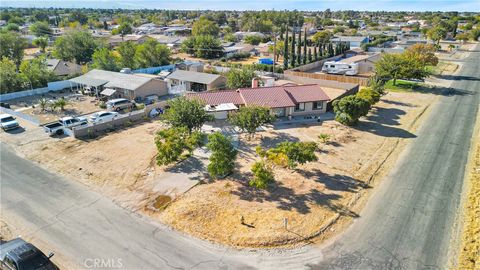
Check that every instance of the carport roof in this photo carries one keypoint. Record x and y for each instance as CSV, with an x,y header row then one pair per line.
x,y
87,80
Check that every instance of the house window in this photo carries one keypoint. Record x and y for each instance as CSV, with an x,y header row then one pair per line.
x,y
317,105
299,107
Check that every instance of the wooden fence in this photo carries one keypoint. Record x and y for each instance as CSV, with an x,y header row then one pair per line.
x,y
363,81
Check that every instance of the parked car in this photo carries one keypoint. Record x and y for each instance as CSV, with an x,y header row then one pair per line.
x,y
17,254
151,99
8,122
5,105
119,104
58,128
103,116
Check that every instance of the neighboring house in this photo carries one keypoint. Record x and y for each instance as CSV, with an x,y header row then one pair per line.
x,y
173,42
283,101
114,41
241,35
406,43
121,85
354,41
181,81
366,62
63,68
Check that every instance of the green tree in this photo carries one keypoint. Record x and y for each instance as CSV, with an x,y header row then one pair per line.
x,y
127,50
305,48
436,33
12,46
41,42
422,53
207,47
10,79
188,113
253,39
390,66
123,29
290,154
239,78
205,27
36,72
77,46
61,103
322,37
222,159
250,118
171,144
43,103
12,27
299,48
105,59
349,109
262,175
285,51
41,29
279,49
151,54
292,53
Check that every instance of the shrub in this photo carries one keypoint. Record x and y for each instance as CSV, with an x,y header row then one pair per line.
x,y
349,109
262,175
369,94
222,159
324,137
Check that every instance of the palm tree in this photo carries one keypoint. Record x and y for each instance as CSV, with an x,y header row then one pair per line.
x,y
41,42
43,103
61,103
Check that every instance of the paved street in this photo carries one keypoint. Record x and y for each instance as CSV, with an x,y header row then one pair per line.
x,y
406,224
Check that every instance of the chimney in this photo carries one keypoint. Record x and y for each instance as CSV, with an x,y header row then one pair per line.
x,y
254,83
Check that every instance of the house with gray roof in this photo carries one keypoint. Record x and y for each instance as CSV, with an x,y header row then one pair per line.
x,y
181,81
63,68
354,41
121,85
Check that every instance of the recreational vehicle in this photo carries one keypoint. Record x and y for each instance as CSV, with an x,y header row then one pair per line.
x,y
332,67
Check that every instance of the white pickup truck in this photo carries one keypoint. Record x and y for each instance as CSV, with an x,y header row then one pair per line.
x,y
58,128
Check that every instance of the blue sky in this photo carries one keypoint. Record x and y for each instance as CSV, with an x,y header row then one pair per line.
x,y
389,5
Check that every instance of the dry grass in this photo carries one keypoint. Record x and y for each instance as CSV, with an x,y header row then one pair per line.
x,y
310,197
470,249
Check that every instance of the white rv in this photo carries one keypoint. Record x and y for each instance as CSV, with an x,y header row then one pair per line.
x,y
332,67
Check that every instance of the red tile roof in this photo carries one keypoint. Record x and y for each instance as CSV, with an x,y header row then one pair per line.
x,y
219,97
306,93
272,97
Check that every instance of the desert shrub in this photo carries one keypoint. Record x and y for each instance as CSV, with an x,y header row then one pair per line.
x,y
262,175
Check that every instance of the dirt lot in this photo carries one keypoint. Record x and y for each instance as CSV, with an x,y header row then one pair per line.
x,y
122,166
312,196
78,105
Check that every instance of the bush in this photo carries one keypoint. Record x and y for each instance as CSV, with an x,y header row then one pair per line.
x,y
369,94
349,109
222,159
262,175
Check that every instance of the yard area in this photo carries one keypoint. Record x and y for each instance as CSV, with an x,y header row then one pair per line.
x,y
122,165
312,197
77,105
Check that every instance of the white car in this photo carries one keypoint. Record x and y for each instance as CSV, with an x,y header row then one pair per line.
x,y
8,122
102,116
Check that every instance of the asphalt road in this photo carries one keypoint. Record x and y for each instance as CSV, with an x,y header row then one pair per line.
x,y
407,223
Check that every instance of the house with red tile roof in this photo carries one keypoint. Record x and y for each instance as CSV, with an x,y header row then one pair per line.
x,y
286,100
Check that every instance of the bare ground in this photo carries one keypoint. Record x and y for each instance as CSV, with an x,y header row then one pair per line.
x,y
312,197
122,166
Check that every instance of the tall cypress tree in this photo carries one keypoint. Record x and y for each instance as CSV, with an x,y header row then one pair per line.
x,y
315,54
292,55
299,48
305,48
321,51
285,50
310,59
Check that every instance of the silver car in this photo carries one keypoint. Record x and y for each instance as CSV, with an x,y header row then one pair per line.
x,y
8,122
119,104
